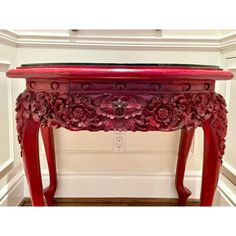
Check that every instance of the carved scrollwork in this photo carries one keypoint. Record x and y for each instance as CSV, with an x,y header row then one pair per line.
x,y
165,112
219,122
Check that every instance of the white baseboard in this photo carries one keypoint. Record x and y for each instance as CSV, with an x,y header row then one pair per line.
x,y
13,192
224,195
159,185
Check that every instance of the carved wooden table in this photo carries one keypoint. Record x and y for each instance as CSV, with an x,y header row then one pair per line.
x,y
135,97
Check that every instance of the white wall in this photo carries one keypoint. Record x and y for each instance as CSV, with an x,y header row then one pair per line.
x,y
227,188
11,174
87,164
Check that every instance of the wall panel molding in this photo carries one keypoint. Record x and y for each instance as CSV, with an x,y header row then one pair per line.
x,y
221,199
228,42
229,172
12,193
137,40
63,153
227,195
4,65
9,38
7,165
141,41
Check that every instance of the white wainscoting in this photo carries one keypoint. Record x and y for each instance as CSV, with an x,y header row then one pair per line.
x,y
227,188
12,187
11,173
6,145
225,194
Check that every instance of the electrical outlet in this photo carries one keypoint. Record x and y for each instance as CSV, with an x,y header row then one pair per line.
x,y
119,142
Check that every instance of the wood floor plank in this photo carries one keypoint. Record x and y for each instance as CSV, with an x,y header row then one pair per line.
x,y
115,202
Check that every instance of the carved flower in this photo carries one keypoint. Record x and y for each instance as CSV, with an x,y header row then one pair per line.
x,y
120,112
168,112
41,107
163,114
23,103
78,114
42,110
202,108
119,108
70,112
116,106
77,117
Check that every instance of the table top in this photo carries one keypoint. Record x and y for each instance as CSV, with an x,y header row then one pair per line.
x,y
118,64
129,71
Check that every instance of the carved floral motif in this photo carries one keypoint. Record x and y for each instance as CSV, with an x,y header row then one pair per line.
x,y
120,112
123,112
168,112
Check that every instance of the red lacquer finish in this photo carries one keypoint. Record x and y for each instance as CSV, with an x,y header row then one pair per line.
x,y
214,145
184,146
47,135
31,161
120,72
124,98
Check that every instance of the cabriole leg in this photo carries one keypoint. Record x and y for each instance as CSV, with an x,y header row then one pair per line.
x,y
214,132
47,135
30,155
215,129
184,146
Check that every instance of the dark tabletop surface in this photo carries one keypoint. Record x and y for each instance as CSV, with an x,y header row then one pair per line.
x,y
120,64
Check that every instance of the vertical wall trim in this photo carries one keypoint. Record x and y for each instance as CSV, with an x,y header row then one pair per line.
x,y
4,65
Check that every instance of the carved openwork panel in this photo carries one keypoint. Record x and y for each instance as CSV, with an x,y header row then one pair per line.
x,y
122,112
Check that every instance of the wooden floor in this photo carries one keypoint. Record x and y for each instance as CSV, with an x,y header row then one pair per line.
x,y
114,202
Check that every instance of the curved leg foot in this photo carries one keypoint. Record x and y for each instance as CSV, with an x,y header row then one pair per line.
x,y
184,146
47,135
30,155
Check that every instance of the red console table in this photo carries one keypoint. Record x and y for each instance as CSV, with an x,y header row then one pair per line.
x,y
135,97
